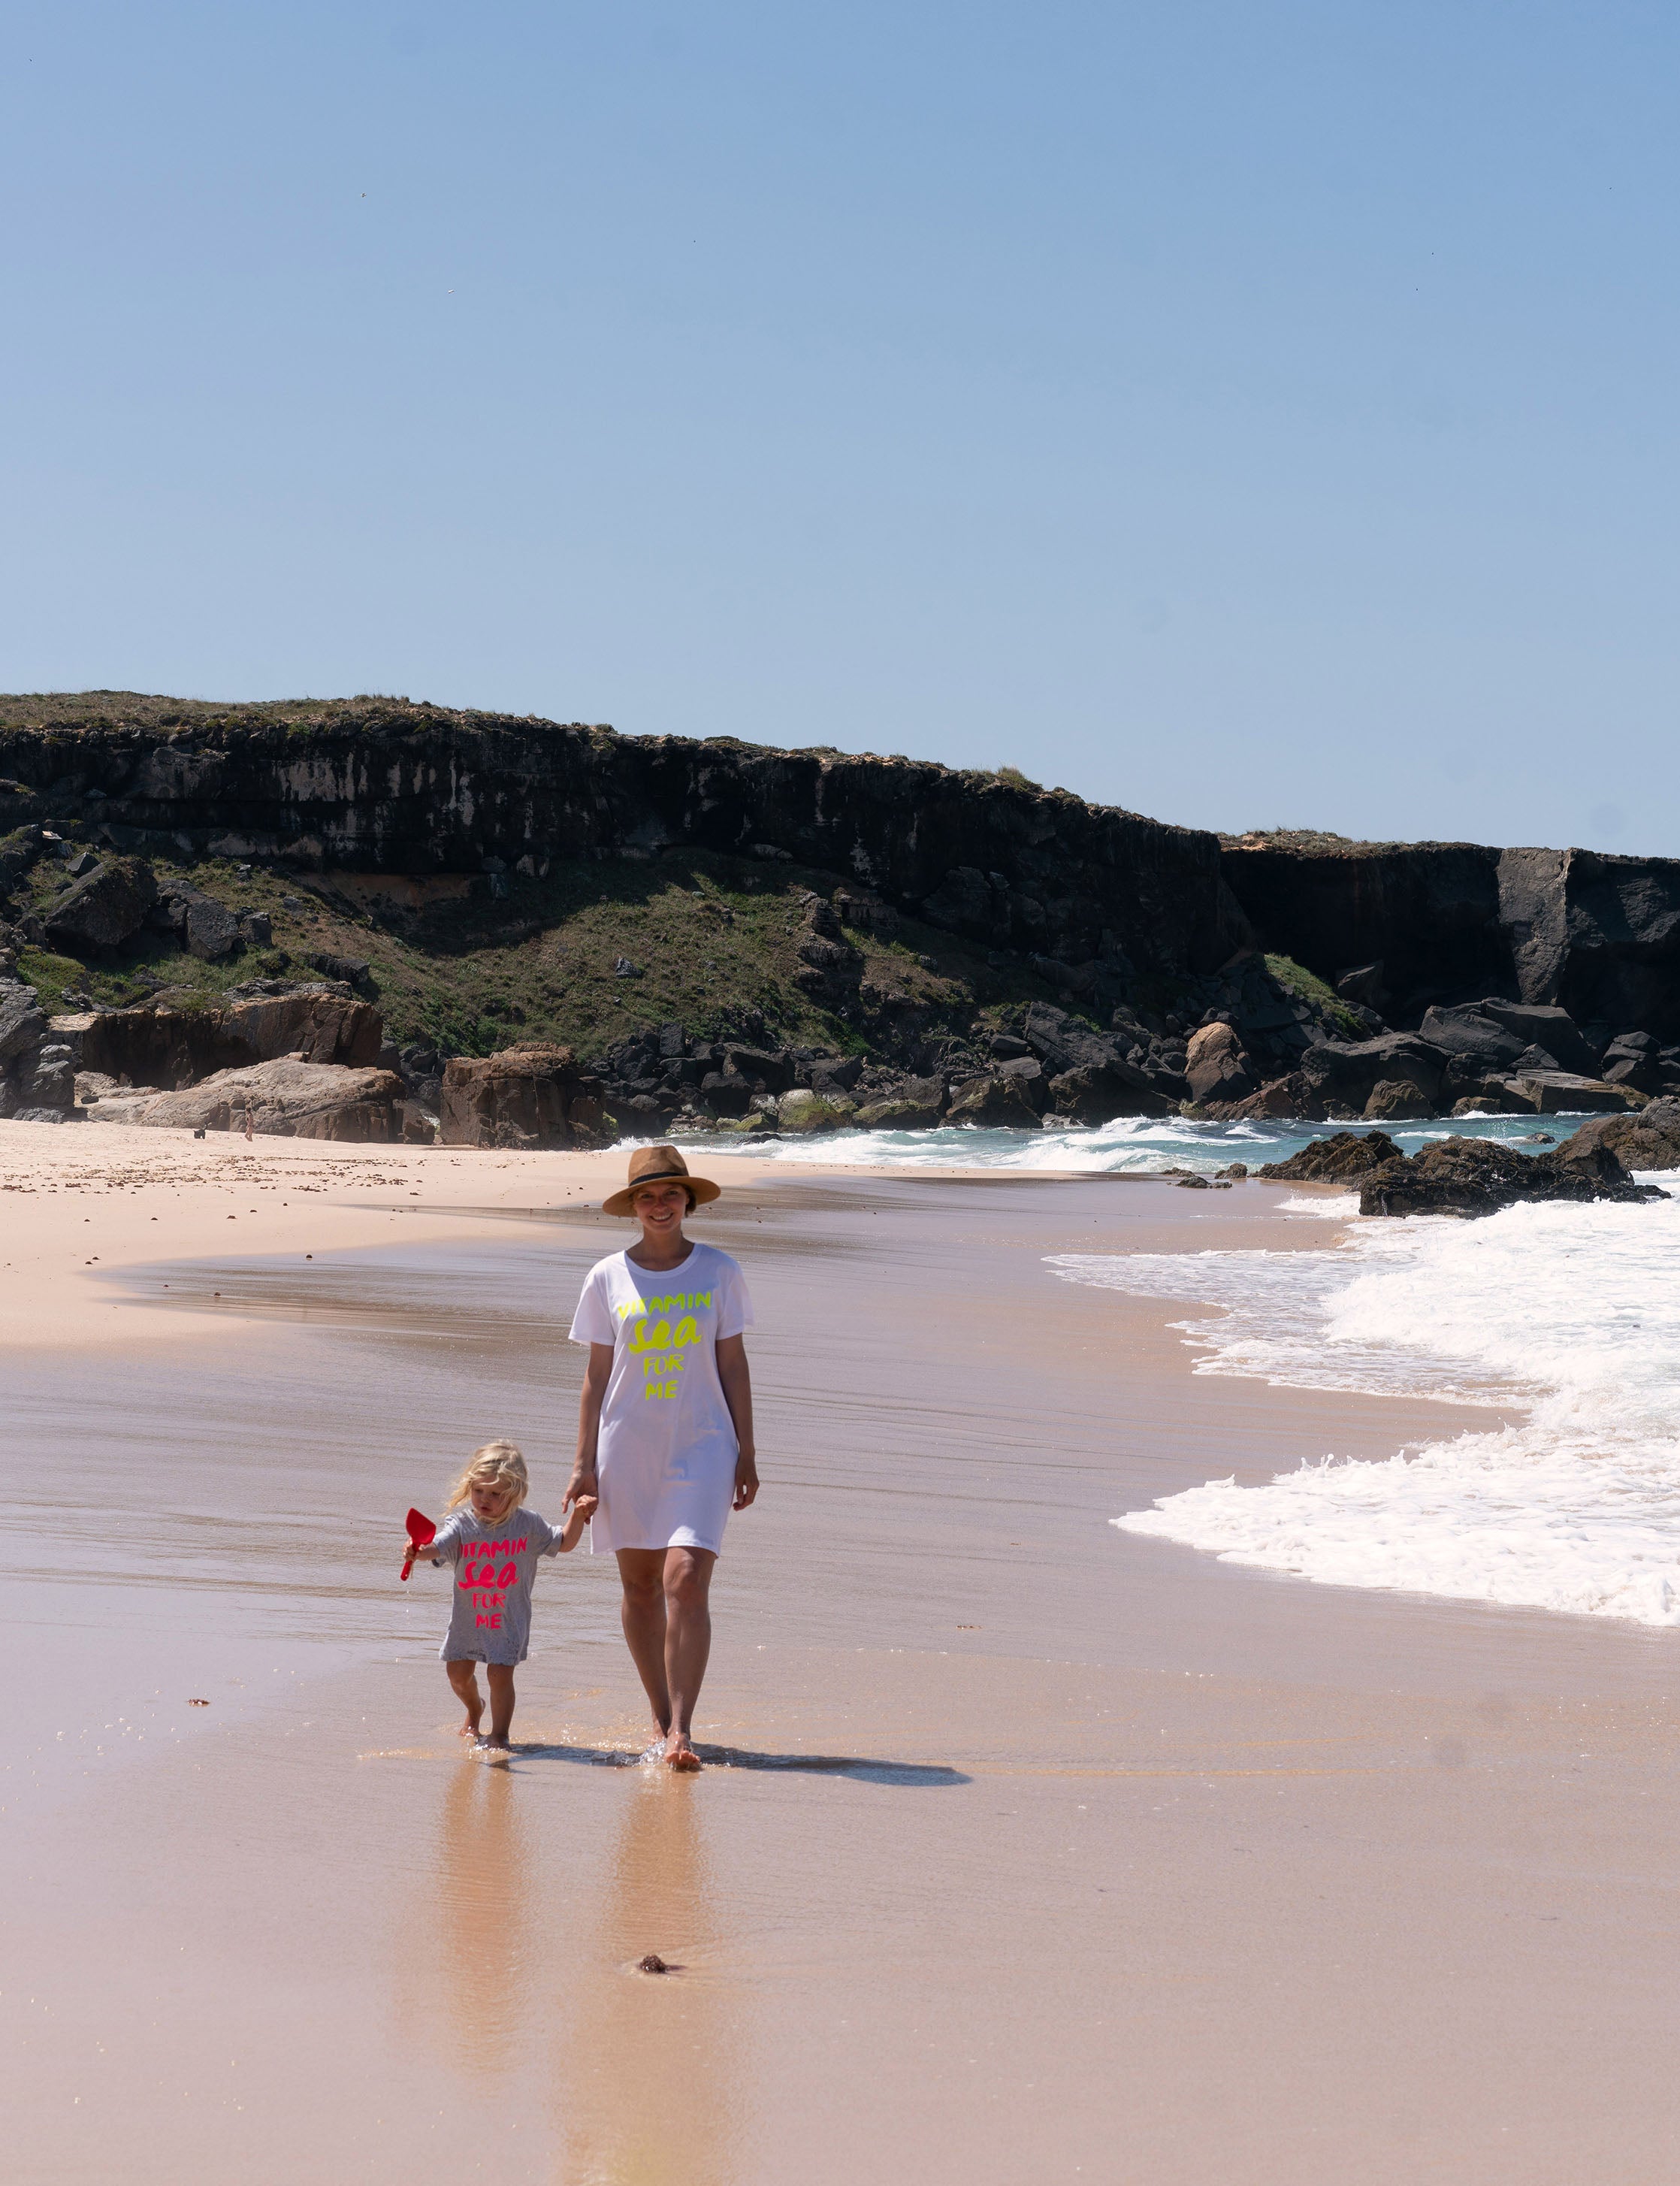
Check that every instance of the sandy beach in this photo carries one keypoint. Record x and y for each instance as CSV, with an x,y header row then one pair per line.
x,y
1029,1849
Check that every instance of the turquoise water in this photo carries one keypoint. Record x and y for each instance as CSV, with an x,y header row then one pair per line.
x,y
1135,1144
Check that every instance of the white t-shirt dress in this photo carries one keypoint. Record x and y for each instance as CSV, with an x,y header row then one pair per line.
x,y
668,1449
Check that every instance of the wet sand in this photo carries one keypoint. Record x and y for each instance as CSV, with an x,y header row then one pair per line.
x,y
1029,1849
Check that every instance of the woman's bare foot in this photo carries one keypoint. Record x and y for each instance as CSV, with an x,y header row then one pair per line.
x,y
678,1753
470,1728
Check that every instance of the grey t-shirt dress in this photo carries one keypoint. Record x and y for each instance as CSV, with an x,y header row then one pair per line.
x,y
493,1565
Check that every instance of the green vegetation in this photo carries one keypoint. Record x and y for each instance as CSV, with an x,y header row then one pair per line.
x,y
1307,987
708,939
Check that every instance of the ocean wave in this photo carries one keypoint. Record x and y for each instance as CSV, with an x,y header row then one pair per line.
x,y
1567,1318
1131,1145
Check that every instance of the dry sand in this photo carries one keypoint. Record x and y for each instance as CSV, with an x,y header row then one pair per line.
x,y
1031,1849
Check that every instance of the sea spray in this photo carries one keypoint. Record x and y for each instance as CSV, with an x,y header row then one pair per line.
x,y
1567,1319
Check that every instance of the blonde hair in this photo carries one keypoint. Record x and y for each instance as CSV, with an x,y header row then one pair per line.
x,y
498,1464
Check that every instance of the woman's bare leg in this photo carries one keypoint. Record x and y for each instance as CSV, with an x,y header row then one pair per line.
x,y
643,1614
688,1644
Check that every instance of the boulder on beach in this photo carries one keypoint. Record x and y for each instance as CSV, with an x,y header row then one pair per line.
x,y
1344,1158
996,1103
897,1115
1097,1092
1395,1100
1561,1092
283,1099
153,1046
522,1096
1347,1072
1480,1176
1648,1140
802,1111
1217,1065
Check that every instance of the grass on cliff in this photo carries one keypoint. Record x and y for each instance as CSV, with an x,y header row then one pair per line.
x,y
1307,987
710,941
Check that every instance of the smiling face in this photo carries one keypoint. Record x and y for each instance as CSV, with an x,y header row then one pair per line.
x,y
660,1209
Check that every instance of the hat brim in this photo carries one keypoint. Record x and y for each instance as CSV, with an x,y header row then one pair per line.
x,y
623,1203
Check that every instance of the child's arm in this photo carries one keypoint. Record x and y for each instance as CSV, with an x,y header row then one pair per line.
x,y
582,1511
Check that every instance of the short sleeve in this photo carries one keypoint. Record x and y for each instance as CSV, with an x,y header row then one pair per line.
x,y
545,1537
592,1322
446,1547
735,1306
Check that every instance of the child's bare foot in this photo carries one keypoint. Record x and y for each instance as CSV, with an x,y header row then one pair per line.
x,y
678,1753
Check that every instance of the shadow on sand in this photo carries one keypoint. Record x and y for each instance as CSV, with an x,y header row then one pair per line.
x,y
912,1775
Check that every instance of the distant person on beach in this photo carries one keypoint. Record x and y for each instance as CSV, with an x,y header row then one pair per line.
x,y
664,1429
494,1542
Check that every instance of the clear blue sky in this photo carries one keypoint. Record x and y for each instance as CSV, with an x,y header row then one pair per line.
x,y
1245,413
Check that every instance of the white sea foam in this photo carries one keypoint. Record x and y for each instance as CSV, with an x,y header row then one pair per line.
x,y
1567,1319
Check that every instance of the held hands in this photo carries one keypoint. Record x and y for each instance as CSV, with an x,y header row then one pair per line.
x,y
746,1480
580,1489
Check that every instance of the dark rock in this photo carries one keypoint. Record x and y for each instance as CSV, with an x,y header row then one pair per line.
x,y
105,909
1648,1140
829,1077
23,1024
1097,1092
353,971
768,1072
523,1096
1007,1047
963,903
1394,1102
1343,1157
725,1093
1469,1035
994,1102
1349,1072
48,1080
1363,984
257,929
896,1114
1295,1096
1028,1073
1544,1027
1560,1093
173,1048
1479,1176
208,928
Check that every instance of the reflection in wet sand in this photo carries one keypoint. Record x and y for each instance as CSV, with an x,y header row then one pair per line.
x,y
650,2092
471,1928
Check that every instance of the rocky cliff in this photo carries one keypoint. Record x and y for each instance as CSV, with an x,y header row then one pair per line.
x,y
1597,935
379,787
721,933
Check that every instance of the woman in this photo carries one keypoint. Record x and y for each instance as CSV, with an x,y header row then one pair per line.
x,y
665,1428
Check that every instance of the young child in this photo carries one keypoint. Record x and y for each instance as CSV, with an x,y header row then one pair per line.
x,y
494,1542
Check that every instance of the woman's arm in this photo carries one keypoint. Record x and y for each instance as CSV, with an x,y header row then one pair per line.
x,y
737,1388
596,1374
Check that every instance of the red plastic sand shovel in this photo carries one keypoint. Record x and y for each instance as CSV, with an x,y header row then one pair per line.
x,y
422,1532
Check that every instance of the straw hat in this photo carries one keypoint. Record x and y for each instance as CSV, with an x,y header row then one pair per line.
x,y
652,1165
